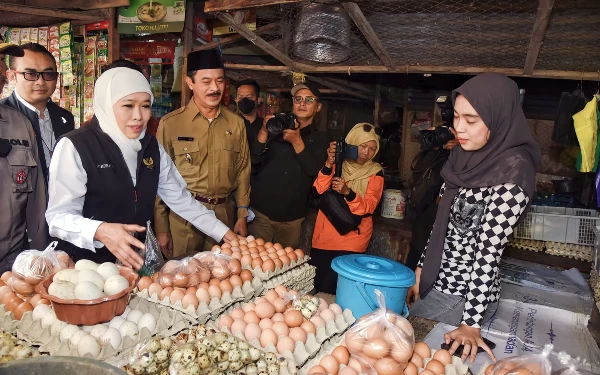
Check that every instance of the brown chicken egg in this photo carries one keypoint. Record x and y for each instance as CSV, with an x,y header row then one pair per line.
x,y
278,246
180,280
246,260
299,253
268,336
341,354
278,263
348,371
22,309
355,364
293,318
235,266
292,257
246,275
226,286
285,260
268,245
226,252
251,317
8,296
5,276
225,321
488,370
144,283
279,304
238,325
330,364
417,360
35,299
215,292
257,263
376,348
309,327
423,350
176,295
236,281
436,367
443,356
237,313
260,242
190,300
250,306
191,290
252,331
281,329
265,310
317,370
298,334
203,295
411,369
237,256
194,280
271,295
13,303
278,317
268,266
4,290
280,252
165,280
387,366
265,323
285,343
44,301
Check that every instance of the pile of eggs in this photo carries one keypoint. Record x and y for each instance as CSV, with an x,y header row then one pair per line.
x,y
91,339
270,320
258,254
31,267
435,366
88,281
13,302
352,365
200,268
194,295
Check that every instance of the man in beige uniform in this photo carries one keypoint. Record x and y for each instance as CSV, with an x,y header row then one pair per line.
x,y
22,187
208,144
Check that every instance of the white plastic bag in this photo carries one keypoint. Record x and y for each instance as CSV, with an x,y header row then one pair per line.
x,y
382,341
529,364
574,365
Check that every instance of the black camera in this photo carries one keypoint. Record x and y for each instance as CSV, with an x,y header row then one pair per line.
x,y
281,122
343,151
442,134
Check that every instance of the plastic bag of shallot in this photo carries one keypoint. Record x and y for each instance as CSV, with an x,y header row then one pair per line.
x,y
528,364
382,341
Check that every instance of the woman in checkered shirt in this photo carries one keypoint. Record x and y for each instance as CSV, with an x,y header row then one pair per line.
x,y
489,183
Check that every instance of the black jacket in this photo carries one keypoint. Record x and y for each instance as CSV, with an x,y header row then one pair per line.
x,y
284,179
62,123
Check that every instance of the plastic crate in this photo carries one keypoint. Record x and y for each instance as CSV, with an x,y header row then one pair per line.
x,y
559,224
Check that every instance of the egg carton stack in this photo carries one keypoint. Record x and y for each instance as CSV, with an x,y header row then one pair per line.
x,y
595,285
569,250
301,279
302,352
41,327
215,308
527,244
266,274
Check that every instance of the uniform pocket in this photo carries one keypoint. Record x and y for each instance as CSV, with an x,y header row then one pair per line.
x,y
231,150
187,157
21,164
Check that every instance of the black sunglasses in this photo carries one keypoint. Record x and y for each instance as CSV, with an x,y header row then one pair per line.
x,y
367,128
34,76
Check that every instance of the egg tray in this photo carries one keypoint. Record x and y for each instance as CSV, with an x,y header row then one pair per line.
x,y
457,367
314,342
167,323
205,311
258,272
293,279
7,320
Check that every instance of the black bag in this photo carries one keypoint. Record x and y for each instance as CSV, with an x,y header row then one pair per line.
x,y
336,210
426,168
563,132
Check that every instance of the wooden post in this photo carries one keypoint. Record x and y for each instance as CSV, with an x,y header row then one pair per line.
x,y
377,105
405,133
114,40
537,35
188,38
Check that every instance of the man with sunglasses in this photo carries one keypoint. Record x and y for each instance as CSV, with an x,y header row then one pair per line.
x,y
289,164
36,78
22,188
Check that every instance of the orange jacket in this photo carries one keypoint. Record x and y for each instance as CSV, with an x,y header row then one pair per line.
x,y
326,237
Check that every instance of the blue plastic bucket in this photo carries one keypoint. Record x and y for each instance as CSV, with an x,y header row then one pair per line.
x,y
358,277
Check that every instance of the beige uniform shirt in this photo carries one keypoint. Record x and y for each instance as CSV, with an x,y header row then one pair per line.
x,y
213,157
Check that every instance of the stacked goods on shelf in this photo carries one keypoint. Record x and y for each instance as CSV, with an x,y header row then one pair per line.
x,y
201,286
296,327
89,76
569,250
202,350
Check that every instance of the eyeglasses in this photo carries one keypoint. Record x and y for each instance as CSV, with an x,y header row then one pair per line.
x,y
367,128
34,76
306,99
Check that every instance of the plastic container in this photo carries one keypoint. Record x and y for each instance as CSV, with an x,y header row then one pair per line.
x,y
559,224
358,277
59,366
394,204
99,310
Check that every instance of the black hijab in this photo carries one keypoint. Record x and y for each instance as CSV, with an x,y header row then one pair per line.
x,y
511,155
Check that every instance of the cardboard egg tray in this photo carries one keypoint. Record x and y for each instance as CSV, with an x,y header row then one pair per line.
x,y
456,368
258,272
302,351
297,279
204,312
167,322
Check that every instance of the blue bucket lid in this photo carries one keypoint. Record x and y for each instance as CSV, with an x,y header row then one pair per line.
x,y
374,270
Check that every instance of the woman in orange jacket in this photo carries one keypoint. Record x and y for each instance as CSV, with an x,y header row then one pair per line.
x,y
362,186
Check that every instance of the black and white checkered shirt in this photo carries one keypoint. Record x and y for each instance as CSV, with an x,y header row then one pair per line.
x,y
481,220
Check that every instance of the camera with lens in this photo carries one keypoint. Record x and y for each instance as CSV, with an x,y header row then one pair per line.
x,y
281,122
442,134
343,151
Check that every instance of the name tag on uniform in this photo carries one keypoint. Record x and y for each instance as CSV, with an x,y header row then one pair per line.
x,y
187,139
104,166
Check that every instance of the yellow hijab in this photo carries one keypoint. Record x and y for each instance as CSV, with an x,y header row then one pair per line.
x,y
355,174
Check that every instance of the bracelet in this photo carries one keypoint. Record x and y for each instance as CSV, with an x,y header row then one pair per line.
x,y
246,207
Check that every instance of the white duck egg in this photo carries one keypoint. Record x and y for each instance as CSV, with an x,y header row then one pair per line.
x,y
48,319
88,345
77,336
112,336
126,312
85,264
69,275
87,290
58,326
116,322
87,329
134,316
147,321
115,284
107,269
68,332
62,289
129,329
92,276
98,330
40,310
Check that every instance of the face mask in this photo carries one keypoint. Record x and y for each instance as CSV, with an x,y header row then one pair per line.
x,y
246,105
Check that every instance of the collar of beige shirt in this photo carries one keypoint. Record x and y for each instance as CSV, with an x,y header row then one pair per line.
x,y
194,111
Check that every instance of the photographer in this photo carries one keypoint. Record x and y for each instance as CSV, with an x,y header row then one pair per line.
x,y
290,152
361,183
